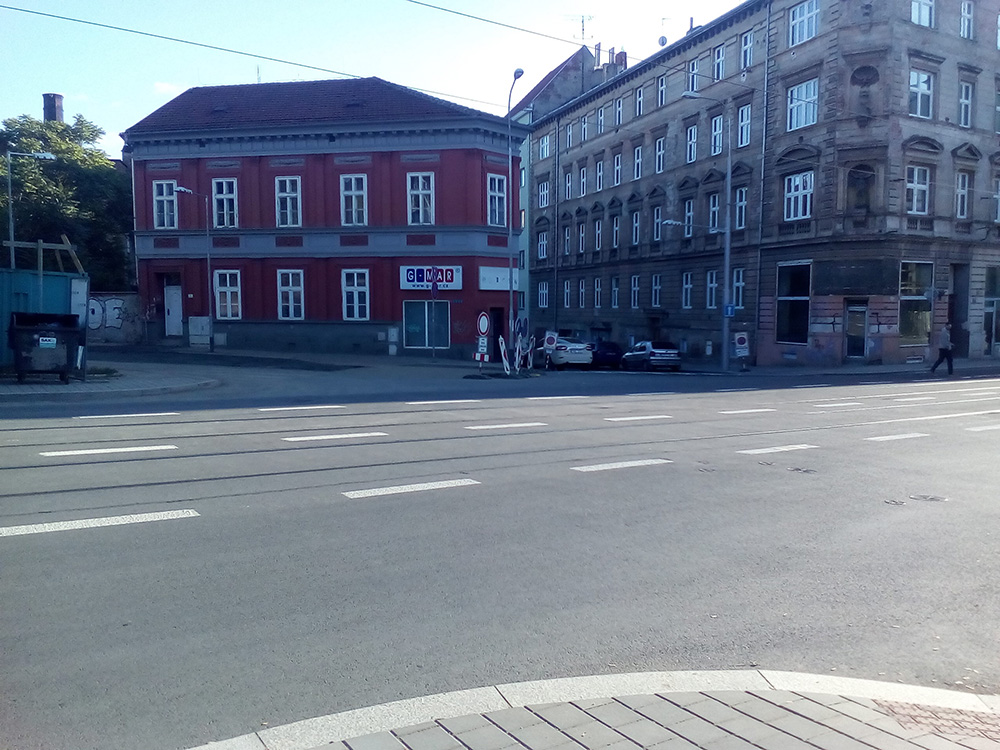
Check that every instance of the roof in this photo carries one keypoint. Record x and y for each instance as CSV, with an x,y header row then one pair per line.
x,y
297,103
539,87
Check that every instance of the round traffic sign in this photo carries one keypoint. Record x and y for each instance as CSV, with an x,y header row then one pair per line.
x,y
483,324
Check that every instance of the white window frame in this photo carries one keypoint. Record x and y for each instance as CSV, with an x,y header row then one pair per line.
x,y
599,176
692,75
659,155
743,124
420,198
288,201
661,91
634,292
496,192
714,204
568,185
712,290
291,294
966,25
687,287
792,298
638,101
567,294
615,230
803,22
225,205
164,204
543,194
637,163
689,217
598,231
543,294
922,12
600,120
918,189
569,135
746,49
739,286
619,110
543,147
963,189
636,226
691,154
966,92
716,139
996,199
228,294
798,195
616,170
354,200
581,232
656,288
921,94
741,208
719,62
614,292
542,245
355,294
597,292
583,181
657,223
566,239
583,128
803,104
581,297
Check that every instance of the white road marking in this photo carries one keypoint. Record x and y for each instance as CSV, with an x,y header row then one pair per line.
x,y
906,406
451,401
903,436
553,398
506,426
817,385
341,436
917,398
93,523
734,390
622,465
842,403
403,488
637,419
929,418
130,416
303,408
778,449
100,451
746,411
983,428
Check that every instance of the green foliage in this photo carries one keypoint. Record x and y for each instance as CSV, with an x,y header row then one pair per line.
x,y
82,194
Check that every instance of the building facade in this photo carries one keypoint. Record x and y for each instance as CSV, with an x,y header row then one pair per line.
x,y
841,156
351,215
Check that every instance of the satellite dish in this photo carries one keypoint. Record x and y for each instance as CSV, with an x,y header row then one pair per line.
x,y
663,41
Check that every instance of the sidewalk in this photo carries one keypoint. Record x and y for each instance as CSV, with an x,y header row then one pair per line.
x,y
663,710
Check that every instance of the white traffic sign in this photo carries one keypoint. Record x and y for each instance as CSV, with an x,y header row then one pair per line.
x,y
484,344
742,341
483,324
550,340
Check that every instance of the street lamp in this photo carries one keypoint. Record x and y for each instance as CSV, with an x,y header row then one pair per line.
x,y
208,265
510,215
727,243
10,193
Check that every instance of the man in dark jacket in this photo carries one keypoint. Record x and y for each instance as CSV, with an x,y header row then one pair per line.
x,y
944,349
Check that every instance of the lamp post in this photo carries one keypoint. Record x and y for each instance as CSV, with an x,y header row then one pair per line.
x,y
10,192
510,215
727,242
208,266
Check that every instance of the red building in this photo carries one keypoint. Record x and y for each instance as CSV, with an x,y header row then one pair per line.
x,y
352,215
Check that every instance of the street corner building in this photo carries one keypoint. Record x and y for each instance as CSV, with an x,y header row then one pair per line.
x,y
820,177
338,216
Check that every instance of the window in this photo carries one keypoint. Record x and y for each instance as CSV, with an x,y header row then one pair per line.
x,y
637,163
426,324
599,176
618,111
711,290
634,292
583,181
354,286
496,191
741,208
713,212
792,312
543,294
543,245
581,232
290,295
656,287
921,91
614,292
523,177
543,147
746,49
597,293
600,120
638,102
689,217
738,287
354,200
802,22
996,199
916,284
568,186
420,191
658,154
287,198
687,285
965,89
567,292
693,75
227,295
963,187
798,196
598,229
615,230
569,135
966,23
224,200
543,194
692,143
661,91
636,226
165,202
719,62
657,223
616,174
716,139
743,126
922,12
581,297
583,128
918,187
803,104
566,241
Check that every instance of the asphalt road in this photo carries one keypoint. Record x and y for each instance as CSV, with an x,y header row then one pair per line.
x,y
309,560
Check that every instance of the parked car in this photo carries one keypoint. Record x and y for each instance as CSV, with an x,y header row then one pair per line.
x,y
607,354
571,352
650,355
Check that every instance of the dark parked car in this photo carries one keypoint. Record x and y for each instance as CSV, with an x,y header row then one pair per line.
x,y
651,355
607,354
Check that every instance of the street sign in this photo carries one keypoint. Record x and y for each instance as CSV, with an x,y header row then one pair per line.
x,y
483,345
549,342
742,341
483,324
730,311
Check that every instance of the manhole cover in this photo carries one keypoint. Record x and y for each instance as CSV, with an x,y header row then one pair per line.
x,y
929,498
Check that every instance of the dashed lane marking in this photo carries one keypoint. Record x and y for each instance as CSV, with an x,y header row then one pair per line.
x,y
622,464
833,406
341,436
983,428
303,408
746,411
778,449
917,398
511,426
553,398
100,451
443,403
903,436
130,416
637,419
93,523
404,488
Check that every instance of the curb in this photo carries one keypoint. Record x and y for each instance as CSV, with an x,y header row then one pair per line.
x,y
78,395
323,730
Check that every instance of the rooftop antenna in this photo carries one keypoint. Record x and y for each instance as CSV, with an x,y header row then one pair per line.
x,y
258,74
583,27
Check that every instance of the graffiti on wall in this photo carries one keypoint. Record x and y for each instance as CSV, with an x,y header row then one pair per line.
x,y
114,318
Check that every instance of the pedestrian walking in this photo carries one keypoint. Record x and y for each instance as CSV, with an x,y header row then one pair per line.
x,y
944,349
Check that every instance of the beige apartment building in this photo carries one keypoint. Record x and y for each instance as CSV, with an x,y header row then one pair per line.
x,y
841,157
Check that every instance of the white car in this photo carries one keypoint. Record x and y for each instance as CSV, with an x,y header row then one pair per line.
x,y
571,352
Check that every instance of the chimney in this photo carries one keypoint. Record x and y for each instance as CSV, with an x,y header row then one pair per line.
x,y
52,110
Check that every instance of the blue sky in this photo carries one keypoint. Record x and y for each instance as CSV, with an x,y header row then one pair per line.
x,y
115,79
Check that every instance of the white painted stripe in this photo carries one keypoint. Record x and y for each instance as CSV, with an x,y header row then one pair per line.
x,y
553,398
130,416
842,403
903,436
746,411
817,385
778,449
622,465
917,398
403,488
100,451
637,419
506,426
983,428
451,401
94,523
734,390
341,436
651,393
303,408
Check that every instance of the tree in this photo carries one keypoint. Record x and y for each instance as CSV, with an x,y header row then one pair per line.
x,y
82,194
